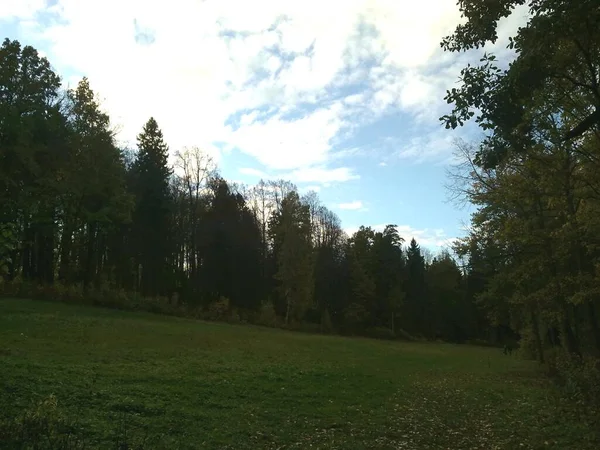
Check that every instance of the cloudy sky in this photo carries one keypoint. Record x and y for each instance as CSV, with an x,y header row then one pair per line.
x,y
342,97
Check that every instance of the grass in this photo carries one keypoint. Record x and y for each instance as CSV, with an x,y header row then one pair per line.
x,y
175,383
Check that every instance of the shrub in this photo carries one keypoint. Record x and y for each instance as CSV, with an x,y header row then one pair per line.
x,y
354,317
267,315
246,316
42,427
579,377
234,316
326,326
219,310
527,348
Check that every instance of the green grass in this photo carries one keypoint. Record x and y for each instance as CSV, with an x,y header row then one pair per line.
x,y
188,384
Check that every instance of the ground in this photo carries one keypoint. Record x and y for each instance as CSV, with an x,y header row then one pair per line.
x,y
174,383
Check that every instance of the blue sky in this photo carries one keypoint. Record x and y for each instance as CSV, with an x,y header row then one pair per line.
x,y
338,97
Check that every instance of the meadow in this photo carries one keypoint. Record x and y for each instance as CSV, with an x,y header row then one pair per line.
x,y
112,379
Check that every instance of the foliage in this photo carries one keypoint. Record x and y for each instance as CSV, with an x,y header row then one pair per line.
x,y
267,315
150,175
42,427
7,246
326,325
219,310
533,246
579,377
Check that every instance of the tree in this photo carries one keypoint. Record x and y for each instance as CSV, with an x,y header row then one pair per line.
x,y
329,255
154,206
388,272
416,312
262,206
291,232
95,194
454,316
232,240
32,138
196,170
363,289
556,51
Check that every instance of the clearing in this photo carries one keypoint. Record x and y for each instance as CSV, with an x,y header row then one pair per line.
x,y
175,383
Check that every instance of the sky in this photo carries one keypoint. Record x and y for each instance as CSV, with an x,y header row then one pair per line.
x,y
339,97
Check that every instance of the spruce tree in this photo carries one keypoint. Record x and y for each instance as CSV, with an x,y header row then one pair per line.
x,y
151,174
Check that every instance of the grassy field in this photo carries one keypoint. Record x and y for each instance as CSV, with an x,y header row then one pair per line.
x,y
173,383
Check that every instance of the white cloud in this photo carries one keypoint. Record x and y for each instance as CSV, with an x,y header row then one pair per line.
x,y
20,9
311,187
287,144
254,172
411,31
431,238
352,206
209,60
435,147
324,176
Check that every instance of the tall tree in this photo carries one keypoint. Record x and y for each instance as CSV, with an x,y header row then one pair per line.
x,y
95,197
32,140
290,229
231,266
388,273
196,169
416,312
557,48
154,205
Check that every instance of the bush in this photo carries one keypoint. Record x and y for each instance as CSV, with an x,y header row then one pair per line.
x,y
219,310
267,315
246,316
527,347
42,427
354,317
578,376
326,326
234,316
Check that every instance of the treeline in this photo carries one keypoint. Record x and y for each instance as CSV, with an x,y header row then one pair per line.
x,y
84,216
535,178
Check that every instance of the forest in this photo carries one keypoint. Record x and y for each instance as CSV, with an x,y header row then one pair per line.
x,y
81,213
82,217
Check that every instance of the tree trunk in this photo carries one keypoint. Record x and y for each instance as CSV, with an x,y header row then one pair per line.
x,y
569,340
594,324
66,243
288,306
90,269
46,253
536,335
28,253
